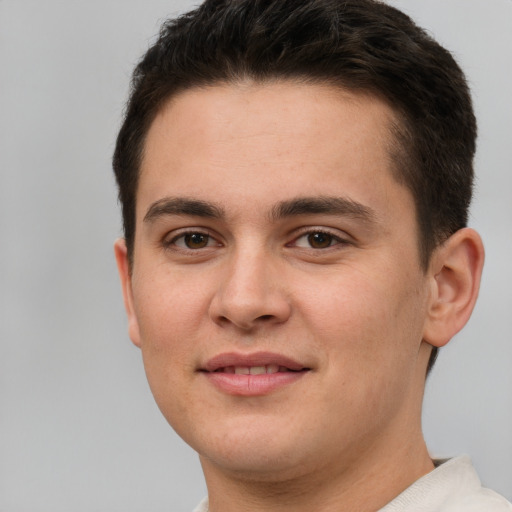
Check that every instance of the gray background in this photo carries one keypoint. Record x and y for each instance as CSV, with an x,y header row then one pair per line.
x,y
79,430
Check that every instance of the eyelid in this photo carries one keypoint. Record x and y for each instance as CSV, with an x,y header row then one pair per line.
x,y
169,240
340,237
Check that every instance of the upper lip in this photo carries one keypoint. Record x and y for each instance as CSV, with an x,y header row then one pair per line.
x,y
249,360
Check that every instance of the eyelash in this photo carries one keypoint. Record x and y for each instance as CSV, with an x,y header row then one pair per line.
x,y
335,239
332,240
172,243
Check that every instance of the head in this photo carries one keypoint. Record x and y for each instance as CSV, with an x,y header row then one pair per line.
x,y
363,46
295,178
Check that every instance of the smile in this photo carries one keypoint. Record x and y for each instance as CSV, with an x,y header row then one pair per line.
x,y
253,370
252,375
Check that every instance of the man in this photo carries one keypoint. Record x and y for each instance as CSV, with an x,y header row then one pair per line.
x,y
295,178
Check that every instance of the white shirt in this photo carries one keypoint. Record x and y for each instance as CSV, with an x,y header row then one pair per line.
x,y
453,486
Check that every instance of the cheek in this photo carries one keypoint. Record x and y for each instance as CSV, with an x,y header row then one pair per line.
x,y
167,326
170,310
372,320
170,314
369,332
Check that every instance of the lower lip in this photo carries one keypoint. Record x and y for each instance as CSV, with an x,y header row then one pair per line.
x,y
252,385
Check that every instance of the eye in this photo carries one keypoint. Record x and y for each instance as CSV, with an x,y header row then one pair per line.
x,y
317,240
193,240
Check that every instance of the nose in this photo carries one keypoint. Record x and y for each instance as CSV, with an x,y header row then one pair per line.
x,y
251,294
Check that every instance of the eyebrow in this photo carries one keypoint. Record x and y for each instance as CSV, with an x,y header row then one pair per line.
x,y
182,206
324,205
340,206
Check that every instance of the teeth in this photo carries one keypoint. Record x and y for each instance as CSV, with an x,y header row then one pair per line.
x,y
253,370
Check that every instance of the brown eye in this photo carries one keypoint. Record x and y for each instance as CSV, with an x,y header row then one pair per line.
x,y
196,240
320,240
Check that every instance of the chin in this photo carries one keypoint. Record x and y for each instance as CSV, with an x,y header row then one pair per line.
x,y
256,464
252,447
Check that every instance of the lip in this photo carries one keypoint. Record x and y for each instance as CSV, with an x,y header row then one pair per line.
x,y
255,359
252,385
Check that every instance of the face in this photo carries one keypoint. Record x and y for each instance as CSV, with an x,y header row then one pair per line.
x,y
276,290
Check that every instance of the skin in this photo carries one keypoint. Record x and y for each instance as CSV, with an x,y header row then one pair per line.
x,y
358,311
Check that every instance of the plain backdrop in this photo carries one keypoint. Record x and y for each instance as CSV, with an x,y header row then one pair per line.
x,y
79,431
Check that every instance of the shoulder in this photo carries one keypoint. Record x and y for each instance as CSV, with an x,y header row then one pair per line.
x,y
482,500
202,507
453,486
468,495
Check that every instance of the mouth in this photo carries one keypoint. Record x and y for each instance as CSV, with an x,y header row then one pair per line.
x,y
258,363
252,374
256,370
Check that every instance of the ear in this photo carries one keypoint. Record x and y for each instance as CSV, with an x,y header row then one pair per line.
x,y
455,271
123,267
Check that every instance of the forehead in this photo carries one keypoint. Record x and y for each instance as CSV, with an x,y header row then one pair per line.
x,y
247,139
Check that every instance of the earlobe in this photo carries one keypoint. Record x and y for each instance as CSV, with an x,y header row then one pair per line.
x,y
123,267
455,272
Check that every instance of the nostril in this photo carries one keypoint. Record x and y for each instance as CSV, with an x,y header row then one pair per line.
x,y
250,310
